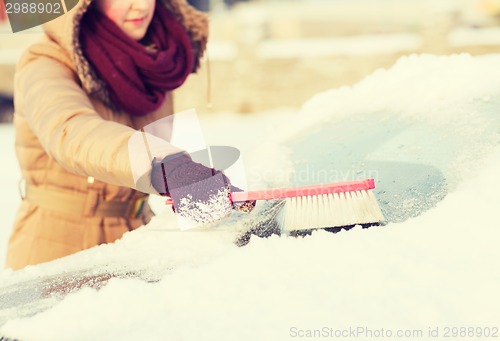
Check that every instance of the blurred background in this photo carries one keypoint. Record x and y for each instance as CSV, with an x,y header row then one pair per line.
x,y
268,54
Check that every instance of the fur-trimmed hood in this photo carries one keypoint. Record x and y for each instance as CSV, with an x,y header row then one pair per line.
x,y
69,139
65,31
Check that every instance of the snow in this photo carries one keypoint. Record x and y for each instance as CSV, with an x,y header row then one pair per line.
x,y
435,89
463,36
345,46
439,269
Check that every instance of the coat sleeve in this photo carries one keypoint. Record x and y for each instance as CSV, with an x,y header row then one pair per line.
x,y
69,129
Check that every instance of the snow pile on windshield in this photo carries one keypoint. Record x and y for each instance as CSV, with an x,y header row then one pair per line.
x,y
437,270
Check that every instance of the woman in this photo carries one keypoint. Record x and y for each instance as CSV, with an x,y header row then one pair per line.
x,y
102,71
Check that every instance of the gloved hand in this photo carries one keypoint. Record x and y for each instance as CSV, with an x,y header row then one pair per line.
x,y
199,193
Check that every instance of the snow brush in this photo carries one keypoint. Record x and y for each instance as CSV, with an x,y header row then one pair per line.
x,y
320,206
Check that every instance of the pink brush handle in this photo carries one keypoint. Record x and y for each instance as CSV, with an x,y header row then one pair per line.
x,y
280,193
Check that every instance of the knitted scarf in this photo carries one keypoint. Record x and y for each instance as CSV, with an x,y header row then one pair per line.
x,y
138,77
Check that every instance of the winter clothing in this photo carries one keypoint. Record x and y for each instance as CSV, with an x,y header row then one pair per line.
x,y
138,76
191,185
179,177
71,141
177,170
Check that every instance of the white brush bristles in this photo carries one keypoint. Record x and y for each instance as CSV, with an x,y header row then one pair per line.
x,y
330,210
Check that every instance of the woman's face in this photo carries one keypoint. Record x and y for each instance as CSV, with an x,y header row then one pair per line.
x,y
132,16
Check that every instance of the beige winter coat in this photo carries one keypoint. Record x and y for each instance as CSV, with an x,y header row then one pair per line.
x,y
67,136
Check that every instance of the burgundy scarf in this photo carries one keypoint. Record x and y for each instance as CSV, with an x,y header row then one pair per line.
x,y
137,78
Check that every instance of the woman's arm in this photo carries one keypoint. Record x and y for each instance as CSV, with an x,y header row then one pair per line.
x,y
63,118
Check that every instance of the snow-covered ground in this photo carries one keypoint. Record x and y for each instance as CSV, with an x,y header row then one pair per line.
x,y
418,279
